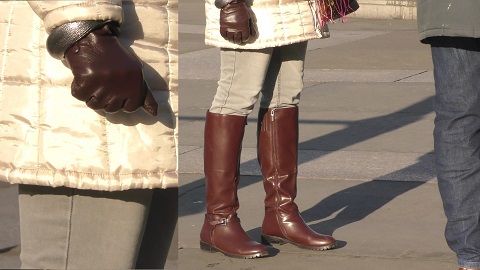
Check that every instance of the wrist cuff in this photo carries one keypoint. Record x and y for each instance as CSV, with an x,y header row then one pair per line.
x,y
65,35
222,3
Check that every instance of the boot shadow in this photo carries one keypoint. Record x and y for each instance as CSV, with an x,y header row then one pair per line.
x,y
357,202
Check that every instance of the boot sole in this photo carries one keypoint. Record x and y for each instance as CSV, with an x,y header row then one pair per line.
x,y
268,239
209,248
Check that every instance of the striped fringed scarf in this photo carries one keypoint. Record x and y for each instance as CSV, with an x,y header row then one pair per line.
x,y
326,11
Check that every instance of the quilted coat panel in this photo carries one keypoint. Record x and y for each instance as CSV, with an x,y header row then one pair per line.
x,y
279,22
49,138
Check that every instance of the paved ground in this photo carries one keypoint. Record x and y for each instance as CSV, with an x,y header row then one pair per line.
x,y
365,173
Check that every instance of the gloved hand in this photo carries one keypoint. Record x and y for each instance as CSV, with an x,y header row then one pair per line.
x,y
107,76
235,23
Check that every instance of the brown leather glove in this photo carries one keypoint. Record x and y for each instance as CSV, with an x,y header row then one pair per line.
x,y
107,76
235,23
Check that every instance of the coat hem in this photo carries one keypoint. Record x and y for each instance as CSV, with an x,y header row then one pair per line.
x,y
442,32
93,181
260,45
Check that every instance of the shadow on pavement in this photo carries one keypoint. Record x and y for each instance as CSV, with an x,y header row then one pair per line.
x,y
7,249
358,201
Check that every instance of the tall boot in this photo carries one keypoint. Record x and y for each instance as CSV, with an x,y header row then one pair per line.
x,y
277,155
221,229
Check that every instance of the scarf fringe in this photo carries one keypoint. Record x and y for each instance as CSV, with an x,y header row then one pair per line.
x,y
326,11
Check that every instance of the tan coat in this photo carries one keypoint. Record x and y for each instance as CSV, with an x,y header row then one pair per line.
x,y
49,138
279,22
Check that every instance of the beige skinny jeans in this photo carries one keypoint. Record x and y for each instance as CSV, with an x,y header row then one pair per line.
x,y
276,72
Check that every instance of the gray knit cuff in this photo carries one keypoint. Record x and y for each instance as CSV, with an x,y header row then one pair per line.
x,y
65,35
222,3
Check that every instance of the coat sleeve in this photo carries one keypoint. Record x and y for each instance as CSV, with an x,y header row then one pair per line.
x,y
56,13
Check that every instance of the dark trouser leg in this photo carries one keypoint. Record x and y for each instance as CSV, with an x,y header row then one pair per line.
x,y
457,142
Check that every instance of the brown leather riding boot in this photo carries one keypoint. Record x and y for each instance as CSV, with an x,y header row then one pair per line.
x,y
221,229
277,155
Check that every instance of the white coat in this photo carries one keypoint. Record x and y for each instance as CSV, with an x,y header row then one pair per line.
x,y
49,138
278,23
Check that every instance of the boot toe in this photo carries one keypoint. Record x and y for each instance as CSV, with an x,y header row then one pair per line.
x,y
322,242
253,248
248,250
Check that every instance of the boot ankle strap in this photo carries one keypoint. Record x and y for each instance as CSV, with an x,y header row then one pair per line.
x,y
222,221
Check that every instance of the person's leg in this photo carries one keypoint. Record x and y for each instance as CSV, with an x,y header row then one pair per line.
x,y
242,77
278,149
160,241
242,74
64,228
457,142
284,79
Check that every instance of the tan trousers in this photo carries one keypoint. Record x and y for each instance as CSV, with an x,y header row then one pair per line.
x,y
277,73
64,228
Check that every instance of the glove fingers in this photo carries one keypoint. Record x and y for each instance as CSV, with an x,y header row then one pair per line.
x,y
132,105
224,32
150,105
134,102
253,31
237,37
99,99
230,36
79,86
94,103
114,105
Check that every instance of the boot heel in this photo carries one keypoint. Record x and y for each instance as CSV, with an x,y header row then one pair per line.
x,y
267,239
206,247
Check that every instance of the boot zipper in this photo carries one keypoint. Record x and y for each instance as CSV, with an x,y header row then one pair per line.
x,y
274,136
274,159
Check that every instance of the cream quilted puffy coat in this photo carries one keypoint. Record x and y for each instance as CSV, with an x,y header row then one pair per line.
x,y
279,22
49,138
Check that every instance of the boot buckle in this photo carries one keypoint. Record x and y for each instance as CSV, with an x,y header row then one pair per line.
x,y
222,221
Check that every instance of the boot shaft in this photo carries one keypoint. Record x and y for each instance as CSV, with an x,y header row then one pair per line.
x,y
278,140
277,147
222,148
221,229
277,154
